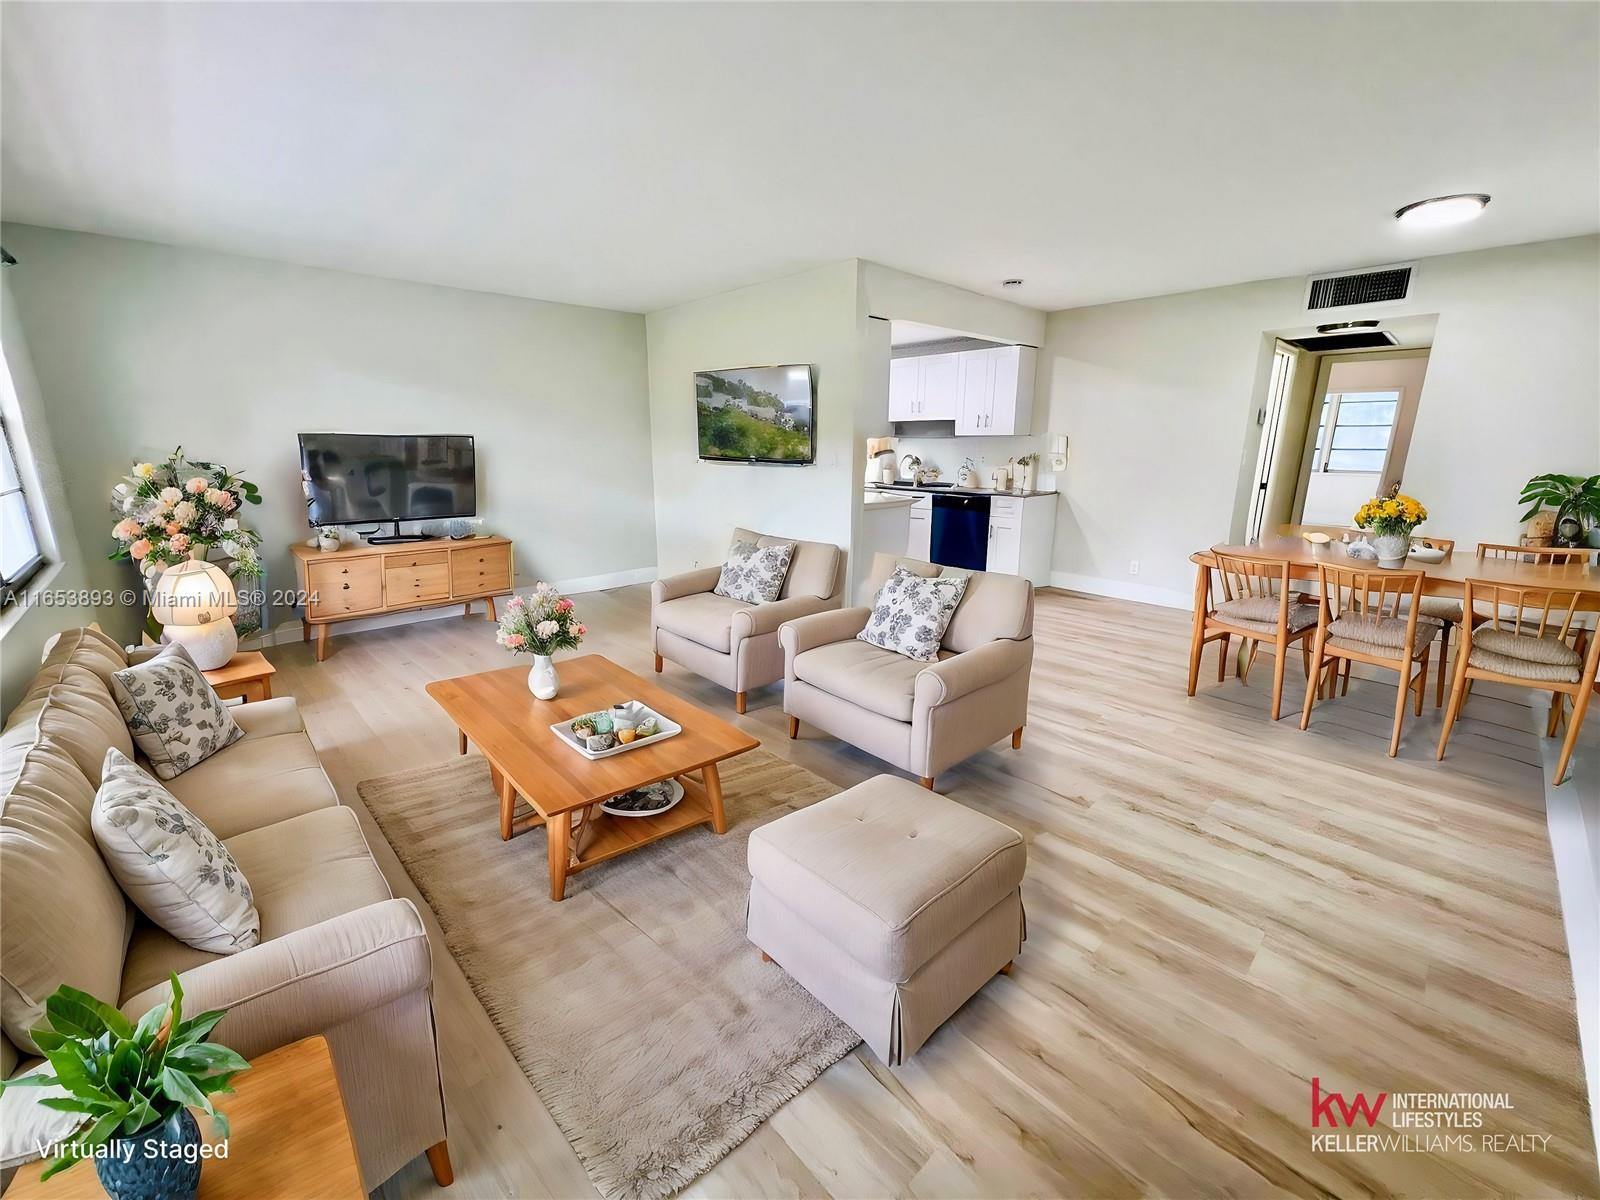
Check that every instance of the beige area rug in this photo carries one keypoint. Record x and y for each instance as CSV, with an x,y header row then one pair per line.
x,y
648,1024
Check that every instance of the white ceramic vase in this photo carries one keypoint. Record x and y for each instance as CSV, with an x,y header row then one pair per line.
x,y
1392,549
543,681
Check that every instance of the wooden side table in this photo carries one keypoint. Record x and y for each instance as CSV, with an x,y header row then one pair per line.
x,y
290,1137
248,675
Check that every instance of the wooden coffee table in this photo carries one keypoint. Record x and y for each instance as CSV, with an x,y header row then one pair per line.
x,y
497,713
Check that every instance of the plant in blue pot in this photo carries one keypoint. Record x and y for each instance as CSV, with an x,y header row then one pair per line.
x,y
133,1084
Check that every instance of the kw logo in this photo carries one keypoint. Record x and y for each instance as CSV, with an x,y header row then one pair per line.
x,y
1323,1105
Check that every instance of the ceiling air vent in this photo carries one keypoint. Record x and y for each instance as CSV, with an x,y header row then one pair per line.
x,y
1378,286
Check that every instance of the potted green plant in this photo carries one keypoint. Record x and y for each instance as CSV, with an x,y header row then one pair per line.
x,y
1575,498
133,1084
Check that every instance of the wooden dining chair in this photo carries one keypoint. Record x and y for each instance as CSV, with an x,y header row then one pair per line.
x,y
1452,612
1444,609
1529,651
1257,607
1373,616
1535,554
1539,556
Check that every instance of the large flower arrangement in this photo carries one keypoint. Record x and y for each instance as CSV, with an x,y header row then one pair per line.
x,y
1391,516
173,510
541,624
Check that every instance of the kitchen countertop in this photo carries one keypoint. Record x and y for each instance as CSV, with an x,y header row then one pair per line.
x,y
956,491
882,499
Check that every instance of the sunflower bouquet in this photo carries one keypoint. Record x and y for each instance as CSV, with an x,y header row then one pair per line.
x,y
1391,516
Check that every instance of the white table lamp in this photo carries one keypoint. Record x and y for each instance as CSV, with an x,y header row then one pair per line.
x,y
193,601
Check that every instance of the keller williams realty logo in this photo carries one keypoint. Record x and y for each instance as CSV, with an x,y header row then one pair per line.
x,y
1323,1105
1417,1123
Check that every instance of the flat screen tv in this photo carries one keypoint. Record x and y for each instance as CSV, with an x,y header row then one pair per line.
x,y
361,478
757,414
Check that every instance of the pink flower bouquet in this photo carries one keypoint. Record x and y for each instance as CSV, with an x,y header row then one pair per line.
x,y
540,624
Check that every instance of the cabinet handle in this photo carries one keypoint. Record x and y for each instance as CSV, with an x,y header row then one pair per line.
x,y
344,570
346,586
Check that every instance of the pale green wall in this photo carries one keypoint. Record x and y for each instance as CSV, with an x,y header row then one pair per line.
x,y
27,625
807,318
140,347
1159,398
835,317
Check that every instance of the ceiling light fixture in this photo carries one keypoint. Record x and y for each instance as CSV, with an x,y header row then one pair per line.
x,y
1440,211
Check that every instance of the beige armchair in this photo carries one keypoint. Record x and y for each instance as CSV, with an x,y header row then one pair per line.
x,y
733,643
922,717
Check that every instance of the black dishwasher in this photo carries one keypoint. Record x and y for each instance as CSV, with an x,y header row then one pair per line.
x,y
961,531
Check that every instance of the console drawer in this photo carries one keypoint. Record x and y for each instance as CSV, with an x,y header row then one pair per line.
x,y
474,570
339,587
408,584
416,558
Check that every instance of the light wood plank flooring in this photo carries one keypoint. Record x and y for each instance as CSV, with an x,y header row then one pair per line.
x,y
1219,909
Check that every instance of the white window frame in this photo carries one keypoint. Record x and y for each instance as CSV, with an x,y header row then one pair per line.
x,y
1332,401
11,588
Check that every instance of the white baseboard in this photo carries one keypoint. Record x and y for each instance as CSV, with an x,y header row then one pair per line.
x,y
1575,847
602,583
1117,589
290,631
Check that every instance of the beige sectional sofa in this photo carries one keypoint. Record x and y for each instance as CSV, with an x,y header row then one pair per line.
x,y
339,955
731,642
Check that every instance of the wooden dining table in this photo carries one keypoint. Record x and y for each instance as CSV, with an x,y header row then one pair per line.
x,y
1447,577
1444,578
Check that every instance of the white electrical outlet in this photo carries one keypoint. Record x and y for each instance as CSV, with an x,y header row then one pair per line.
x,y
1133,566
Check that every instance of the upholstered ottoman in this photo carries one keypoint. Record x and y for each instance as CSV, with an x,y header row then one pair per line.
x,y
890,904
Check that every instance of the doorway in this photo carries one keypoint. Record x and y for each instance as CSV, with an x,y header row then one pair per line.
x,y
1279,383
1332,426
1366,407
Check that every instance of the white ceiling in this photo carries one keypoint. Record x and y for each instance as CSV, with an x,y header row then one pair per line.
x,y
633,156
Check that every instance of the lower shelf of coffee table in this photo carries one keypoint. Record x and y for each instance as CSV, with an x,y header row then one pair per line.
x,y
618,835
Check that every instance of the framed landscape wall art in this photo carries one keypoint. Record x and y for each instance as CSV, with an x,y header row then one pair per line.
x,y
757,414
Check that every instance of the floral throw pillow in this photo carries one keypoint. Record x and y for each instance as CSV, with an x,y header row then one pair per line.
x,y
172,712
754,573
911,612
170,865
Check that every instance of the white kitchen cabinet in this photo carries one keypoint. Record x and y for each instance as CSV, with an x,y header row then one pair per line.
x,y
941,381
919,542
1011,392
976,391
1022,534
1005,543
905,385
996,392
924,388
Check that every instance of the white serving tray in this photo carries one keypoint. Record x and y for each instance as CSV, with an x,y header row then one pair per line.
x,y
639,712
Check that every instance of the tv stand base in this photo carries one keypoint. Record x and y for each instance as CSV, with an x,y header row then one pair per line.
x,y
391,539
